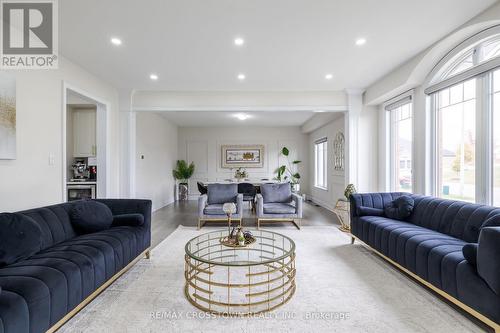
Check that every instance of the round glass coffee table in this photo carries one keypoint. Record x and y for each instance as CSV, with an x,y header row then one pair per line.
x,y
240,281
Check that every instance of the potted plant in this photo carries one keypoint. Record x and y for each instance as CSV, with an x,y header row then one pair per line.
x,y
288,171
182,173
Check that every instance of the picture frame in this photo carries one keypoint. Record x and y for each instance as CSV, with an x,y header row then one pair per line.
x,y
242,156
8,149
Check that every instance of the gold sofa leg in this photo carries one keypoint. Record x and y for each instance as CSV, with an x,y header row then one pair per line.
x,y
148,254
352,240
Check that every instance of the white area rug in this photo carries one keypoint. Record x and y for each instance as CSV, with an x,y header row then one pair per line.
x,y
340,288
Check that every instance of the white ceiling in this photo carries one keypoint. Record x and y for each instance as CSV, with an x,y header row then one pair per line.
x,y
225,119
290,44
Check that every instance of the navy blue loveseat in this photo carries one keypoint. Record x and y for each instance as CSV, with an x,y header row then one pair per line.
x,y
42,291
430,245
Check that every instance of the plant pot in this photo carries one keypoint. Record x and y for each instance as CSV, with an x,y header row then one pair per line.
x,y
183,192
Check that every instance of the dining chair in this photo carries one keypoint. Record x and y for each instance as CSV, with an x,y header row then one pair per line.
x,y
202,188
249,191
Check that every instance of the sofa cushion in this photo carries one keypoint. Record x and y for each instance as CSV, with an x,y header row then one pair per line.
x,y
214,209
222,193
276,193
91,216
399,209
470,253
20,238
133,220
369,211
279,208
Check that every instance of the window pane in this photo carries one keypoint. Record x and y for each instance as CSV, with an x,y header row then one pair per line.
x,y
320,162
464,64
496,81
496,139
402,147
456,148
490,50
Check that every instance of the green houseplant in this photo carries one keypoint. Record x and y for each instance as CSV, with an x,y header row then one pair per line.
x,y
182,173
288,171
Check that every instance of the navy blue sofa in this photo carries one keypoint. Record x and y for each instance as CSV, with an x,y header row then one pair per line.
x,y
430,245
41,292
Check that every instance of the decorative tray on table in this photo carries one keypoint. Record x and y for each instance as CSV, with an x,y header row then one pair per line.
x,y
233,241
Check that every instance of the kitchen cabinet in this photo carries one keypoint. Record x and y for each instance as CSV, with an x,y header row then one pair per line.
x,y
84,133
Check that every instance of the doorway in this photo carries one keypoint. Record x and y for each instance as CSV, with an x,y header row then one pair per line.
x,y
85,145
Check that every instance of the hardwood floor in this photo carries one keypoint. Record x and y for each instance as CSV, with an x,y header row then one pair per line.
x,y
168,218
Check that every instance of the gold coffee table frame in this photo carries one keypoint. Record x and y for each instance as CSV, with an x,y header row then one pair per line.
x,y
239,281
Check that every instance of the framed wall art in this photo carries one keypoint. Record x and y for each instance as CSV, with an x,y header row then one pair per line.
x,y
242,156
7,117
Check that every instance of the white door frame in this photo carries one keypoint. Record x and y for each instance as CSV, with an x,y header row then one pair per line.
x,y
103,106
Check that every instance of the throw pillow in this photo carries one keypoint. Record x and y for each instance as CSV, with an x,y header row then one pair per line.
x,y
20,238
88,216
470,253
399,209
370,211
132,220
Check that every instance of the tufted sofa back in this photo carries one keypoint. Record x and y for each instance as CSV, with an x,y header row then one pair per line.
x,y
455,218
54,222
459,219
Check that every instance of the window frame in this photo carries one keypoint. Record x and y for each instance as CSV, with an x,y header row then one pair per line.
x,y
483,73
387,107
322,141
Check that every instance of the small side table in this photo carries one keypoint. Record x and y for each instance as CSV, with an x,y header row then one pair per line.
x,y
342,210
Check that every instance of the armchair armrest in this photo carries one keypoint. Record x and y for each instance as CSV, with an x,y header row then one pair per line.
x,y
202,202
488,257
298,204
260,204
239,204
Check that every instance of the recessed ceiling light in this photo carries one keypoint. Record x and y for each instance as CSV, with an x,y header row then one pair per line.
x,y
116,41
242,116
360,41
329,76
153,77
319,111
239,41
241,76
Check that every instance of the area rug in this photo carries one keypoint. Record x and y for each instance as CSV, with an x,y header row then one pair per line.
x,y
340,288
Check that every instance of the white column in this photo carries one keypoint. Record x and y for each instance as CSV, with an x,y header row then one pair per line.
x,y
127,145
355,105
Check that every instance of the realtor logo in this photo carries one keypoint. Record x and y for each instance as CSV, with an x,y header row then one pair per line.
x,y
29,34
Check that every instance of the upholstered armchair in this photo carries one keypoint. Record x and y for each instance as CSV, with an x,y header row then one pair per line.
x,y
210,204
276,202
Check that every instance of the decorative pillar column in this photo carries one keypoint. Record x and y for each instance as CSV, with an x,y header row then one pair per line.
x,y
355,105
127,145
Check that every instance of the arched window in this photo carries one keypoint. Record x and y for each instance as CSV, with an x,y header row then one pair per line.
x,y
464,91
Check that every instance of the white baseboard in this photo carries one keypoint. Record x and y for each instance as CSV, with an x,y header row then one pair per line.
x,y
163,205
324,204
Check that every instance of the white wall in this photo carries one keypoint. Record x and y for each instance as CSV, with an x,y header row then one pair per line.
x,y
335,179
29,181
157,143
203,147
